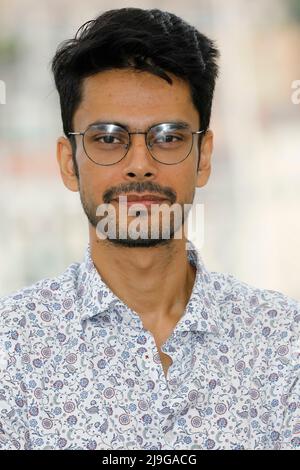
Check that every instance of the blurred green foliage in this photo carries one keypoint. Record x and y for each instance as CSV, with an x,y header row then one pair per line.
x,y
9,49
294,9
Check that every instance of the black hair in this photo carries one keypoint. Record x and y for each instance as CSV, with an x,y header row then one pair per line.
x,y
148,40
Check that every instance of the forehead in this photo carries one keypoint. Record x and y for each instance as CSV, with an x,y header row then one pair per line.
x,y
135,98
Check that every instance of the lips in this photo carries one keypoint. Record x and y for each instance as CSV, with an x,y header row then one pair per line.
x,y
144,197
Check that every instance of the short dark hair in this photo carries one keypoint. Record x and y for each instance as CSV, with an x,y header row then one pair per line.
x,y
149,40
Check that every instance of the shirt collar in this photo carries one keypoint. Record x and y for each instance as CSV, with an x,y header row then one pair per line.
x,y
96,298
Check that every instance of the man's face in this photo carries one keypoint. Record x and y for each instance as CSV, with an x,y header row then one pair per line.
x,y
138,100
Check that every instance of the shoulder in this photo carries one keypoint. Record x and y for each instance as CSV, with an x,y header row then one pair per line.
x,y
240,289
263,312
22,309
252,300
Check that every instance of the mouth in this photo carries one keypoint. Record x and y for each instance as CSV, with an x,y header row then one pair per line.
x,y
146,199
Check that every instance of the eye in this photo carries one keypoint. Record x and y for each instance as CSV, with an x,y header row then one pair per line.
x,y
106,139
167,138
109,139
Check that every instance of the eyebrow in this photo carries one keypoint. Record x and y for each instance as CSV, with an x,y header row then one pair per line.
x,y
123,124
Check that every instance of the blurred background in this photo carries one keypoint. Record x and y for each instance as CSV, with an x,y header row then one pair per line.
x,y
252,201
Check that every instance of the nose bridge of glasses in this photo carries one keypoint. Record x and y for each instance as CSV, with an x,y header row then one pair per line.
x,y
134,139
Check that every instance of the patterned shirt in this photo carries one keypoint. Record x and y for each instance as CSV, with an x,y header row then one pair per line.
x,y
79,371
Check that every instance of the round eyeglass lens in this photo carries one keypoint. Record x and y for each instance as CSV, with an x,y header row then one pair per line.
x,y
170,143
105,144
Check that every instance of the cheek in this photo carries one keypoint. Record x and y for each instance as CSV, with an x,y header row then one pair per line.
x,y
96,180
186,175
186,187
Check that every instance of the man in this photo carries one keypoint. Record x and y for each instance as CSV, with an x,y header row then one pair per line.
x,y
140,346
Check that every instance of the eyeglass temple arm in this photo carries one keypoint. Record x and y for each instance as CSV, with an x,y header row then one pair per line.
x,y
198,132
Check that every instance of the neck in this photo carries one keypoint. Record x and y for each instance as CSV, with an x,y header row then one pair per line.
x,y
155,282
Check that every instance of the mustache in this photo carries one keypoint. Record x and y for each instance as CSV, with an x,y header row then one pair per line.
x,y
136,187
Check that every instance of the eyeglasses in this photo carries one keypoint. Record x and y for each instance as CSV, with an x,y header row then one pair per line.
x,y
107,143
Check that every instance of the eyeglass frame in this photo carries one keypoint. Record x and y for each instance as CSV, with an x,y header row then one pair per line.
x,y
200,131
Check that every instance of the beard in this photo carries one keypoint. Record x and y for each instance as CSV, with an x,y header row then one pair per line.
x,y
163,232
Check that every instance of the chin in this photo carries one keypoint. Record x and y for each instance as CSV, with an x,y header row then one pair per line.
x,y
139,242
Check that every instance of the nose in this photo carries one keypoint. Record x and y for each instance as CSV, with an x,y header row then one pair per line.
x,y
138,162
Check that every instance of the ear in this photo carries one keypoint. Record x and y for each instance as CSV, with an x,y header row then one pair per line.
x,y
66,164
205,153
